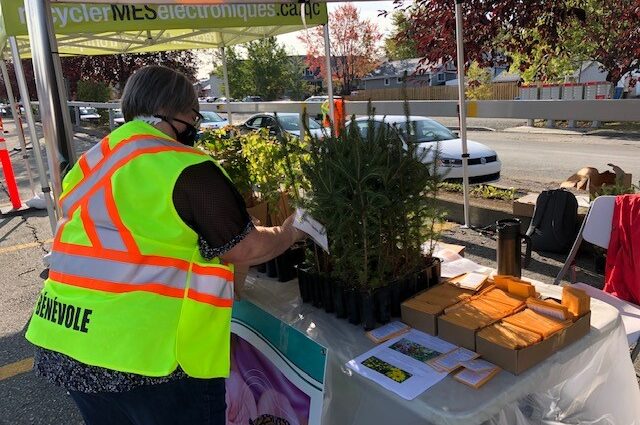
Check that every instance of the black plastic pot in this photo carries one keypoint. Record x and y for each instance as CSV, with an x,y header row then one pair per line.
x,y
353,306
382,298
285,267
433,273
272,270
327,296
395,293
304,284
316,290
367,303
410,286
339,299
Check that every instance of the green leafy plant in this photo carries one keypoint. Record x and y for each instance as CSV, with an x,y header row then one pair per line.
x,y
226,147
483,191
617,189
263,167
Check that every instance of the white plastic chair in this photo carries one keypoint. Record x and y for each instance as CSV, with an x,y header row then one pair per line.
x,y
596,229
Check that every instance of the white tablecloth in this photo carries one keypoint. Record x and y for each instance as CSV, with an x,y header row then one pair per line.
x,y
589,382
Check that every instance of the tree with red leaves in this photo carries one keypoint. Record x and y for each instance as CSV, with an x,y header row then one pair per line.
x,y
536,30
354,47
113,70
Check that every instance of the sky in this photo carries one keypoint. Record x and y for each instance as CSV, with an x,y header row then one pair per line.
x,y
368,10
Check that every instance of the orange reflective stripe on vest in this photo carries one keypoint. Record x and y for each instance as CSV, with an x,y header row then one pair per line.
x,y
124,152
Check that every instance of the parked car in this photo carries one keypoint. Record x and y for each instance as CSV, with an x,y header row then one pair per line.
x,y
89,114
252,99
118,117
319,99
484,164
212,120
287,122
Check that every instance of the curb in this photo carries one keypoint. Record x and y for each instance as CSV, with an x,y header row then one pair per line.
x,y
473,128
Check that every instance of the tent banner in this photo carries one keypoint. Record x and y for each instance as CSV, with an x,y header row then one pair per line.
x,y
277,373
77,18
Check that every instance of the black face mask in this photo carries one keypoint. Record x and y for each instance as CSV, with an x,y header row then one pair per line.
x,y
188,136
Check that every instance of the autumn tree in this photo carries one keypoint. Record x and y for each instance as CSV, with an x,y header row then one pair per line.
x,y
113,70
354,47
541,34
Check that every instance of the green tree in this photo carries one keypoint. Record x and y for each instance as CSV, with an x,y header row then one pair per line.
x,y
93,91
397,48
478,82
239,81
267,71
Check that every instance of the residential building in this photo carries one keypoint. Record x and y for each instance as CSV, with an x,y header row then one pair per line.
x,y
210,87
391,75
587,72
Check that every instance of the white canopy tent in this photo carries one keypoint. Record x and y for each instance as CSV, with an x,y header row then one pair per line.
x,y
46,63
94,29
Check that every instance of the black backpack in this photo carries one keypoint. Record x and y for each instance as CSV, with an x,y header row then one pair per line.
x,y
554,225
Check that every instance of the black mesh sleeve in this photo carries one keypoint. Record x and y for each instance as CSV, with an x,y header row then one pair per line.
x,y
209,203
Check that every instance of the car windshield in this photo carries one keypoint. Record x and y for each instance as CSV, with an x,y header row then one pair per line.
x,y
117,113
292,123
211,117
426,131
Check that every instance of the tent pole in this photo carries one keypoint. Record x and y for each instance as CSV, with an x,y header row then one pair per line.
x,y
18,124
56,121
327,55
462,110
225,75
33,133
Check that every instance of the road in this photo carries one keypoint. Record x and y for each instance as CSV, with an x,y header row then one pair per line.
x,y
537,161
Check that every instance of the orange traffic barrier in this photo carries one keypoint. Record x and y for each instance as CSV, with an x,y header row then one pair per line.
x,y
10,178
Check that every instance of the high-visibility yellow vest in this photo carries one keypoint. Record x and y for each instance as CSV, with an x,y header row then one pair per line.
x,y
128,289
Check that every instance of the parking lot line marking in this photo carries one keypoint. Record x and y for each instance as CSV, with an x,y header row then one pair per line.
x,y
12,369
18,247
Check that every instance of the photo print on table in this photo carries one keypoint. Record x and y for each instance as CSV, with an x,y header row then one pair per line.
x,y
394,373
414,350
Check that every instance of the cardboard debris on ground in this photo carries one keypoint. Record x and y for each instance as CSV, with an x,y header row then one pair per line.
x,y
584,183
591,180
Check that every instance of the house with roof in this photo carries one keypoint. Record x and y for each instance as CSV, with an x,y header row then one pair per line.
x,y
588,71
209,87
393,74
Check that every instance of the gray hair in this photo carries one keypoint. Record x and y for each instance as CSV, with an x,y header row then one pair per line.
x,y
158,90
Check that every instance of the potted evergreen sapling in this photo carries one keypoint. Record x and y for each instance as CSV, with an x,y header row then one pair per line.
x,y
370,190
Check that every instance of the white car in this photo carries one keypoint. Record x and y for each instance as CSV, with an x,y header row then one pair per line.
x,y
118,117
88,113
288,122
212,120
484,164
320,99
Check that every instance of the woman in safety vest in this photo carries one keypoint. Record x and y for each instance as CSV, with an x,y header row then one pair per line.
x,y
134,317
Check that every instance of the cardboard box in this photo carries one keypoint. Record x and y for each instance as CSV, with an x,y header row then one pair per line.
x,y
458,249
456,334
525,206
518,361
421,316
259,211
